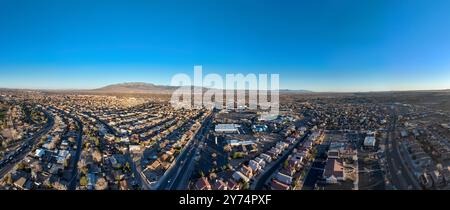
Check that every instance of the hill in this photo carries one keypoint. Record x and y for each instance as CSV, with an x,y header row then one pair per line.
x,y
136,87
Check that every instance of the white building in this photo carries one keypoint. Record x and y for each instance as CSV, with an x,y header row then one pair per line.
x,y
135,148
369,141
254,165
283,178
238,176
227,128
266,157
240,143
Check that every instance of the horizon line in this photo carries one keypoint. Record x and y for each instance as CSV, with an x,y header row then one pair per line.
x,y
304,91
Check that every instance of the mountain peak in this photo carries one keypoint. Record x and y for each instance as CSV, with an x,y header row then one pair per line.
x,y
135,87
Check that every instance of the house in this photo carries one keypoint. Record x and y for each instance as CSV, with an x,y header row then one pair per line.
x,y
261,162
110,137
334,171
290,140
369,142
202,184
156,164
116,160
123,185
220,185
91,178
125,139
247,171
164,157
39,153
288,171
299,157
283,178
281,145
276,185
238,176
308,144
63,155
232,185
438,178
254,165
333,154
64,144
266,157
134,148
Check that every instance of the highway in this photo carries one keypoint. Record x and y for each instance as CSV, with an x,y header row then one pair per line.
x,y
26,147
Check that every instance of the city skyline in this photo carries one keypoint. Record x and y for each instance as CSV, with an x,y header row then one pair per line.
x,y
349,46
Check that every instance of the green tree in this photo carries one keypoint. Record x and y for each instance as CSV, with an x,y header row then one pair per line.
x,y
21,166
83,181
245,186
8,178
127,167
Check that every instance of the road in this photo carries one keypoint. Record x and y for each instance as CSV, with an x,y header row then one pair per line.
x,y
141,179
269,171
177,177
26,148
73,181
399,175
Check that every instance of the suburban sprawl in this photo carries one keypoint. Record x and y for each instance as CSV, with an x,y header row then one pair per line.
x,y
361,141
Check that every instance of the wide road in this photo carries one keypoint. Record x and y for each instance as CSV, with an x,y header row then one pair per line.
x,y
73,181
178,175
181,181
27,146
399,175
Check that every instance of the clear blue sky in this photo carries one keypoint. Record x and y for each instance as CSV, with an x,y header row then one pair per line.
x,y
335,45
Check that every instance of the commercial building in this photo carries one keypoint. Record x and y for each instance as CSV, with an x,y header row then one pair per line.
x,y
227,128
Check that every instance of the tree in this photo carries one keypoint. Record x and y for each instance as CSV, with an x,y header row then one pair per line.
x,y
21,166
83,181
96,141
245,186
127,167
8,179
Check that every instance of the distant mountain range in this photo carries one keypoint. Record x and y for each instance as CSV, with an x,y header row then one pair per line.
x,y
149,88
141,88
136,87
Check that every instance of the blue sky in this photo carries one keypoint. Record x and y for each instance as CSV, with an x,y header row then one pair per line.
x,y
320,45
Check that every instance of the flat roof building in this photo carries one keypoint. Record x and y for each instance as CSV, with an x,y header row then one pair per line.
x,y
369,141
227,128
